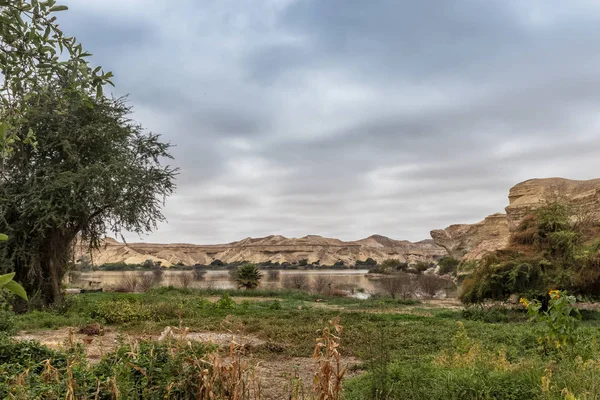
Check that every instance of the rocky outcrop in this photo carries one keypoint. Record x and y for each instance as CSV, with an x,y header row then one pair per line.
x,y
473,241
583,197
314,249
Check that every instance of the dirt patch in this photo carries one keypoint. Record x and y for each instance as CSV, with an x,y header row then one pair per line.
x,y
96,346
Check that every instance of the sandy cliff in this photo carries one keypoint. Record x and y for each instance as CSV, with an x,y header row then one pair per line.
x,y
472,241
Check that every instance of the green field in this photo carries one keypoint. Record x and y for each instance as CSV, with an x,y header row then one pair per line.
x,y
398,350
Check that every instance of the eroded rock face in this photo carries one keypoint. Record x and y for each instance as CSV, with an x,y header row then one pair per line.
x,y
582,196
325,251
473,241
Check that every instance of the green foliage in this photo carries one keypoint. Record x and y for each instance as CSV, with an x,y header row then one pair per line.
x,y
96,171
545,252
494,314
388,266
247,276
226,302
561,318
7,283
7,316
421,267
146,370
34,52
118,312
448,265
275,305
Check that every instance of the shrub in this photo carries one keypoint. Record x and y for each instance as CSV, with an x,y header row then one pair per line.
x,y
421,267
295,281
273,275
158,274
322,284
225,302
388,266
448,265
185,279
199,274
147,281
128,283
122,311
431,284
401,284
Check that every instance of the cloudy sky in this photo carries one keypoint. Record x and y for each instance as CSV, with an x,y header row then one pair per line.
x,y
349,118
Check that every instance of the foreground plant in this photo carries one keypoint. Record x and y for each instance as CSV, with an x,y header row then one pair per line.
x,y
329,371
561,318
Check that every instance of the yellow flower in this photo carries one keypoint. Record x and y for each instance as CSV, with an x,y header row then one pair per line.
x,y
555,294
524,301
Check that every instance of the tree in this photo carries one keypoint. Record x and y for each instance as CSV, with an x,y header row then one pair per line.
x,y
93,171
248,276
33,52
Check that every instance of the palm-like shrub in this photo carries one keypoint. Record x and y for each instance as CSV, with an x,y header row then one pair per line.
x,y
248,276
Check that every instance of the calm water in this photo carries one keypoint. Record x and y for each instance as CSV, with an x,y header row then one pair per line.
x,y
347,280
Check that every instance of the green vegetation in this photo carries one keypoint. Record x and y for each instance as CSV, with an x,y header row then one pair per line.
x,y
247,276
448,265
548,251
406,349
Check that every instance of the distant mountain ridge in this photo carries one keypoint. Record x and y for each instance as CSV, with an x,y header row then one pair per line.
x,y
313,249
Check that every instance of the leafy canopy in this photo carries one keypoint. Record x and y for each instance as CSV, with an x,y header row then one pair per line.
x,y
92,171
34,52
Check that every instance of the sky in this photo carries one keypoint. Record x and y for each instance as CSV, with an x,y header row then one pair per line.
x,y
351,118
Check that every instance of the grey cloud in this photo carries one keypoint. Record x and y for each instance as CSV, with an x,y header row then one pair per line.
x,y
351,118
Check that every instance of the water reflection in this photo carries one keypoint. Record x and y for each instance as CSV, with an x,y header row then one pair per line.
x,y
345,280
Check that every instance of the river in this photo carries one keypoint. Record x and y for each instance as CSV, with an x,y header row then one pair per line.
x,y
346,280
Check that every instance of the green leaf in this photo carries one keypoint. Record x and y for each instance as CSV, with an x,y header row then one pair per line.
x,y
4,279
59,8
3,237
17,289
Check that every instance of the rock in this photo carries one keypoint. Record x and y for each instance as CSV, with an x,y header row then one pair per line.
x,y
514,298
582,196
310,249
472,241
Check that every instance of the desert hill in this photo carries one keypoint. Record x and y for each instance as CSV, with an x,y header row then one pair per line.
x,y
275,249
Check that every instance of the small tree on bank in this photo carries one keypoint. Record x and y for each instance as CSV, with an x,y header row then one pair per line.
x,y
398,285
247,276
